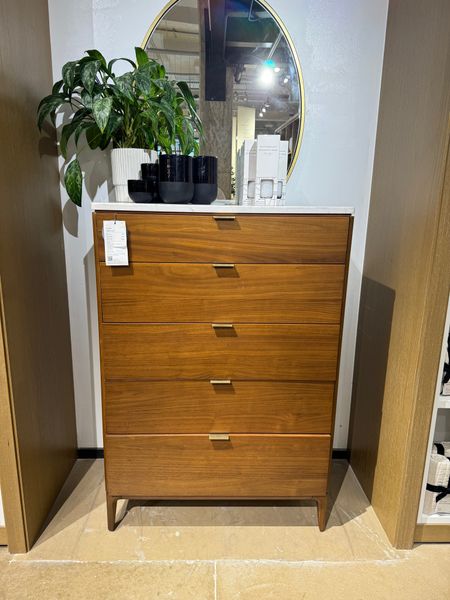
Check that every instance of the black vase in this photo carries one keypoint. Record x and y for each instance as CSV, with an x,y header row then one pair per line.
x,y
205,179
150,174
176,185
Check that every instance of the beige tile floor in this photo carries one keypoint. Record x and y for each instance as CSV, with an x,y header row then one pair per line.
x,y
247,551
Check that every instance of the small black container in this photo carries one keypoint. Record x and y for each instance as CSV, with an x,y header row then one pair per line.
x,y
205,179
139,190
176,185
150,174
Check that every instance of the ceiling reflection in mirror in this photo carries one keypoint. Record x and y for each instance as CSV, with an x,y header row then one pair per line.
x,y
242,70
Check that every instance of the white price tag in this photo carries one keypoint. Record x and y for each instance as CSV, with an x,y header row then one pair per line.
x,y
115,237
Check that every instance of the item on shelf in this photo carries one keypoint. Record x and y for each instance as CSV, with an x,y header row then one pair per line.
x,y
282,170
261,171
266,179
139,190
87,89
445,391
145,189
150,174
245,171
205,179
437,495
176,185
442,448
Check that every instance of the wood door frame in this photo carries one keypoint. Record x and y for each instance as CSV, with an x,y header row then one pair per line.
x,y
429,363
406,268
15,531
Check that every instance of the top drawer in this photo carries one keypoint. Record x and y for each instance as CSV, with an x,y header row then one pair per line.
x,y
160,237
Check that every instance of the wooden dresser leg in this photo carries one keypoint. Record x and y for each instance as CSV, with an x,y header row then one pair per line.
x,y
322,506
111,504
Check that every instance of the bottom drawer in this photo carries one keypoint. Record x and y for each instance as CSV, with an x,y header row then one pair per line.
x,y
169,466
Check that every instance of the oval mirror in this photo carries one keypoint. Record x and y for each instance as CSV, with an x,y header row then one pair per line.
x,y
238,59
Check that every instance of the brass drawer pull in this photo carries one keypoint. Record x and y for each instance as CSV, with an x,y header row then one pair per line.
x,y
222,325
220,381
219,437
224,217
223,265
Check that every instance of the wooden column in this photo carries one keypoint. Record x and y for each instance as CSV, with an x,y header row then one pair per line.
x,y
217,115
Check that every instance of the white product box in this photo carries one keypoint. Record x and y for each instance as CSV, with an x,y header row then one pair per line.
x,y
282,170
245,171
438,477
261,169
266,184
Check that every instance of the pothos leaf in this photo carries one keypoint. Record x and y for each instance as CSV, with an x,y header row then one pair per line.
x,y
73,180
143,80
57,86
86,99
114,60
124,84
93,136
79,130
141,56
98,56
88,74
68,73
101,109
48,106
66,133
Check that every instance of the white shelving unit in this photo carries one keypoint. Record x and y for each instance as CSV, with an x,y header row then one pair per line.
x,y
444,402
441,403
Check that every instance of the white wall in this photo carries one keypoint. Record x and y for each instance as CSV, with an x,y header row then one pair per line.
x,y
340,44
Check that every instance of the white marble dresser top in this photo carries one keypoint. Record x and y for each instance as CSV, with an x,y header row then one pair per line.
x,y
219,207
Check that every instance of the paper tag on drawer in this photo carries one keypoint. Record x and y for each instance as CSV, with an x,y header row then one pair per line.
x,y
116,249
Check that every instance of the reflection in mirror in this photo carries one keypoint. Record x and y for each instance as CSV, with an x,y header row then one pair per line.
x,y
241,69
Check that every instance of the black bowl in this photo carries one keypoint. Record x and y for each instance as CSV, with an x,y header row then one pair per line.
x,y
139,191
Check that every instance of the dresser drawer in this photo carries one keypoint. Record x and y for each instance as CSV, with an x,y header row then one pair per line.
x,y
198,351
202,407
193,466
246,239
180,292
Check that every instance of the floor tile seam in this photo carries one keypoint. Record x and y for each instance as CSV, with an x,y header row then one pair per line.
x,y
217,562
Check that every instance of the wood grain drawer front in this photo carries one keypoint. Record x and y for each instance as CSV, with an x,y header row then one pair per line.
x,y
244,466
246,239
198,351
133,407
180,292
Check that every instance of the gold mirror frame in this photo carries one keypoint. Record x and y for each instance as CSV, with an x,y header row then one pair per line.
x,y
162,13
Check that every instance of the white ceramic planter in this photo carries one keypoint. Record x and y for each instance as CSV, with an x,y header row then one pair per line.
x,y
125,165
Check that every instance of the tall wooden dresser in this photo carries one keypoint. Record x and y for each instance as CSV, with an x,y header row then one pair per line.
x,y
219,352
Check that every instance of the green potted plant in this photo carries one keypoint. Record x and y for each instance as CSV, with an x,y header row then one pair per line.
x,y
137,113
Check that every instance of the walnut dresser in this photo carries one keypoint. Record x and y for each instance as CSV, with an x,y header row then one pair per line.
x,y
219,350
